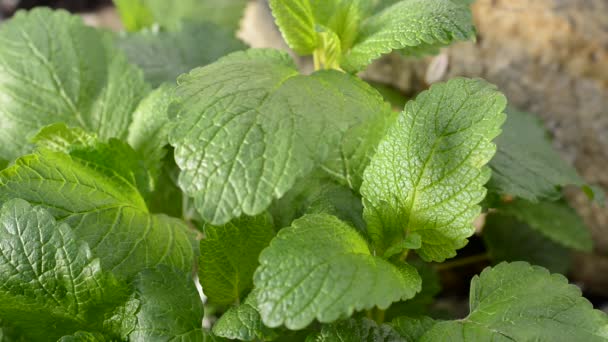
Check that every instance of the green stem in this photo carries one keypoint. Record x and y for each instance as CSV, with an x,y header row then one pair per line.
x,y
462,262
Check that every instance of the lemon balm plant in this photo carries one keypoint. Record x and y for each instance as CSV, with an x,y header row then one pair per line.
x,y
321,212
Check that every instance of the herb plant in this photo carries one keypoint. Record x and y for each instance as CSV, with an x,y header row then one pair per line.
x,y
303,204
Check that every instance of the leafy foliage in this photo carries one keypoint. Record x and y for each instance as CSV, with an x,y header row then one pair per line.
x,y
321,253
358,36
247,129
229,257
55,69
518,301
428,175
308,193
526,165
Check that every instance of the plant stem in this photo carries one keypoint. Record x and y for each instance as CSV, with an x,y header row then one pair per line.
x,y
462,262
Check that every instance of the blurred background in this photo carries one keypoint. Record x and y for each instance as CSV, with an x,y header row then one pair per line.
x,y
550,57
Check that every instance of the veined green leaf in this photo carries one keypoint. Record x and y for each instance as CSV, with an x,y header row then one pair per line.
x,y
249,126
409,24
412,329
164,55
296,21
428,174
243,322
53,68
519,302
356,330
229,257
51,283
171,308
114,157
105,211
83,336
322,268
526,165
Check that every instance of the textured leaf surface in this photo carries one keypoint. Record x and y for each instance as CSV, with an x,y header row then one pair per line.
x,y
357,330
428,174
526,165
106,212
409,24
420,304
249,125
296,21
243,322
318,194
164,55
51,284
55,69
171,309
229,257
555,220
139,14
412,329
83,336
519,302
148,133
508,239
322,268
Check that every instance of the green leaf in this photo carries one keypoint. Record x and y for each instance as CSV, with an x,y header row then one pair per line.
x,y
83,336
167,197
229,257
61,138
51,284
171,308
356,330
296,21
409,24
508,239
148,133
555,220
420,304
105,211
249,126
114,157
428,174
317,194
53,68
134,14
322,268
138,14
164,56
243,322
520,302
412,329
526,165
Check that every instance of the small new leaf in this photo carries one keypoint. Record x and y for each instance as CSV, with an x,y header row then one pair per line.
x,y
520,302
322,268
428,174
